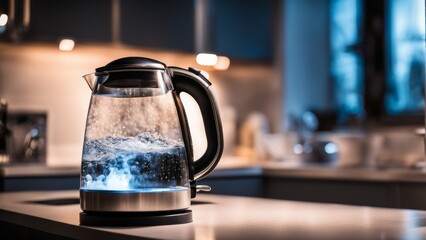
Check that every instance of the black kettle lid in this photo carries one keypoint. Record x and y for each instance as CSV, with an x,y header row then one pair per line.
x,y
132,63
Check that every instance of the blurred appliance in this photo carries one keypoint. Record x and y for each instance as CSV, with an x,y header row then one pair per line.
x,y
310,147
4,133
251,136
27,137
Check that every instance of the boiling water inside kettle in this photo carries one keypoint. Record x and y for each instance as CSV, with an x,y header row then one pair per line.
x,y
133,144
141,163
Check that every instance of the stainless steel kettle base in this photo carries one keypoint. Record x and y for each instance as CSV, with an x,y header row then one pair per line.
x,y
109,201
135,219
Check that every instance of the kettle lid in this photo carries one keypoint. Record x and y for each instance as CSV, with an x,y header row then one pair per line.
x,y
132,63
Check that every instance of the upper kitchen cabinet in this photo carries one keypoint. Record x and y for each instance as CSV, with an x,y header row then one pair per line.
x,y
243,29
161,24
238,29
50,20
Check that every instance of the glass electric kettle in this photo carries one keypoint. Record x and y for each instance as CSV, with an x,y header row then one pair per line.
x,y
137,152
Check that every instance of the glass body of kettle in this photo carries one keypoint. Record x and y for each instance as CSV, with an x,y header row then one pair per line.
x,y
133,140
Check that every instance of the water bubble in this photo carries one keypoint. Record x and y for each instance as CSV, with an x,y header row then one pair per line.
x,y
88,177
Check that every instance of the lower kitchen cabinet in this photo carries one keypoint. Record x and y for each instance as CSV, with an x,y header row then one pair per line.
x,y
413,195
377,194
39,183
236,186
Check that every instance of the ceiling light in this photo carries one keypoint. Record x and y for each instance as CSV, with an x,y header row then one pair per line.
x,y
66,45
206,59
3,20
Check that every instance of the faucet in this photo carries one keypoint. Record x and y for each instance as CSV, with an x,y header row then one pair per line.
x,y
306,125
308,146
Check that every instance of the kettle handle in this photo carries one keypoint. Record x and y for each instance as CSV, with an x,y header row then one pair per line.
x,y
196,85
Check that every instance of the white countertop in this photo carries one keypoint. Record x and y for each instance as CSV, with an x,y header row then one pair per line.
x,y
224,217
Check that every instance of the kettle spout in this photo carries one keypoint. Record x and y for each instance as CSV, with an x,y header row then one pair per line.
x,y
90,80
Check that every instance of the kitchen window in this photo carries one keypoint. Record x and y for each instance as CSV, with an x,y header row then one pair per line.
x,y
406,57
346,62
378,61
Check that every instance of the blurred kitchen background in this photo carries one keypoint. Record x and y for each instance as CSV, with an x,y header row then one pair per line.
x,y
301,82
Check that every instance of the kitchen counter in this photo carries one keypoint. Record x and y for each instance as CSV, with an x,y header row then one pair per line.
x,y
218,217
289,169
44,177
236,168
37,170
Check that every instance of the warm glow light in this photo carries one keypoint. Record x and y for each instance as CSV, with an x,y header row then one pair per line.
x,y
206,59
3,20
205,74
66,45
222,63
